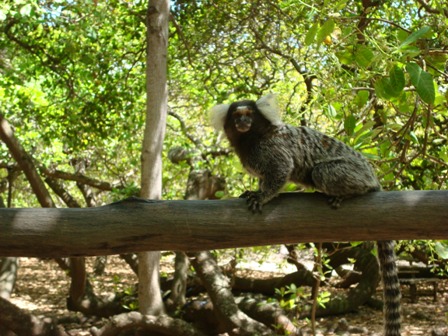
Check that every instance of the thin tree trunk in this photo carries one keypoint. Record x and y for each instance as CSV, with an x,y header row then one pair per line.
x,y
179,286
150,299
8,271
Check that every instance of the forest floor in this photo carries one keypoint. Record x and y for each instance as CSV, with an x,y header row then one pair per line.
x,y
42,288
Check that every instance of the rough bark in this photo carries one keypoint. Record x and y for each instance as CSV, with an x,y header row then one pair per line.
x,y
139,225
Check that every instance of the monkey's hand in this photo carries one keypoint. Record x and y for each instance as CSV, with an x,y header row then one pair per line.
x,y
245,194
335,201
254,200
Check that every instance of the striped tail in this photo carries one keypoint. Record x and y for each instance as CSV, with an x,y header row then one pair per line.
x,y
391,287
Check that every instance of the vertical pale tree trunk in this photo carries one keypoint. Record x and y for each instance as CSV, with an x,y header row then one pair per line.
x,y
150,299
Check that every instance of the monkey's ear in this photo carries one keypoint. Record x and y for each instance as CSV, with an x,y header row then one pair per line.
x,y
217,116
269,108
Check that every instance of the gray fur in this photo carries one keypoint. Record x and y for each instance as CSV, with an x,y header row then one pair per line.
x,y
277,153
308,157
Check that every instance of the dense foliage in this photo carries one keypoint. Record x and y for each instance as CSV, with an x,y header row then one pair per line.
x,y
72,83
371,73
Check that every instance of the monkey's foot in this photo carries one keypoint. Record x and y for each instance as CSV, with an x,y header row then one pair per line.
x,y
335,201
253,200
245,194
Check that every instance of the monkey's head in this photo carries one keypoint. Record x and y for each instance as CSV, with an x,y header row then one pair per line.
x,y
246,115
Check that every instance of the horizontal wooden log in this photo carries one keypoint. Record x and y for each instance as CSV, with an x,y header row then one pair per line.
x,y
139,225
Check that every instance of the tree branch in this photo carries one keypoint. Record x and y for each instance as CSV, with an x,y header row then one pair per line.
x,y
80,178
137,225
25,161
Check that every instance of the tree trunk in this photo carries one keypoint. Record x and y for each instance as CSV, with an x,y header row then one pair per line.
x,y
150,299
8,276
8,271
179,286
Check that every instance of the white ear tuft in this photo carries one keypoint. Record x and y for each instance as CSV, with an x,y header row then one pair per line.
x,y
269,108
217,116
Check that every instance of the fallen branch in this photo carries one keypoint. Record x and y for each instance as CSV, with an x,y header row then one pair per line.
x,y
162,324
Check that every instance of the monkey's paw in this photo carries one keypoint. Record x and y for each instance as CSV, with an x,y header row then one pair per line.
x,y
254,200
335,201
246,194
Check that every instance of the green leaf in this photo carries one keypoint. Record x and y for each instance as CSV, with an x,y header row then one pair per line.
x,y
361,98
331,111
364,56
26,10
410,51
443,153
414,137
311,34
350,124
415,36
3,15
397,80
326,29
422,82
442,250
381,88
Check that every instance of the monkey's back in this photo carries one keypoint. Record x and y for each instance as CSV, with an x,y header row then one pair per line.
x,y
313,149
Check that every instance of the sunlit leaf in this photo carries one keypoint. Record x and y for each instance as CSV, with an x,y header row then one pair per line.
x,y
331,111
442,250
326,29
26,10
311,34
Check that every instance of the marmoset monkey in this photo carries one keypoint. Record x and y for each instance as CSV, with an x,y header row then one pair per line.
x,y
277,153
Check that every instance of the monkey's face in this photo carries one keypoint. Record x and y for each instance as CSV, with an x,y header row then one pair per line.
x,y
242,117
